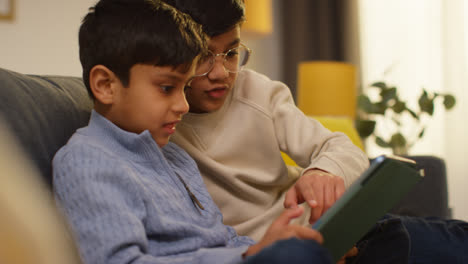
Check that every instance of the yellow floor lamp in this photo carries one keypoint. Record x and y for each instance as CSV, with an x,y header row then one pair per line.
x,y
326,90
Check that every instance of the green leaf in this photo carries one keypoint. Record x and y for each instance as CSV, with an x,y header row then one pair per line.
x,y
449,101
421,134
379,108
399,107
388,94
398,140
380,85
382,143
364,103
426,104
365,128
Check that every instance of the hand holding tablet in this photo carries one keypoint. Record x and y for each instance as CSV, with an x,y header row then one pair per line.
x,y
369,198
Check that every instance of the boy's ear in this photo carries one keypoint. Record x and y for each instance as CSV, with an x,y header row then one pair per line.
x,y
102,82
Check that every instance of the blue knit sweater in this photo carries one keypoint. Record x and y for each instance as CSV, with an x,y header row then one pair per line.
x,y
126,204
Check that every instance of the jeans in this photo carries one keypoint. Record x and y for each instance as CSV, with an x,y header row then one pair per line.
x,y
437,241
388,242
414,240
393,240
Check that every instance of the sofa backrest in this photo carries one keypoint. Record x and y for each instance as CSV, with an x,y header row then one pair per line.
x,y
429,197
43,112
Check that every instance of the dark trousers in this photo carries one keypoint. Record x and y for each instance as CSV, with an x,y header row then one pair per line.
x,y
387,243
437,241
414,240
393,240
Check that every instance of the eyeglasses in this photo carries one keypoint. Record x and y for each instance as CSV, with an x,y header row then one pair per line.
x,y
233,60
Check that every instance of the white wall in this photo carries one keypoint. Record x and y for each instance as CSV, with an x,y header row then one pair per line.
x,y
43,37
411,46
416,39
456,125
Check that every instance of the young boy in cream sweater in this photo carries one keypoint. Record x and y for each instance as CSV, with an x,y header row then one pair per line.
x,y
131,196
240,121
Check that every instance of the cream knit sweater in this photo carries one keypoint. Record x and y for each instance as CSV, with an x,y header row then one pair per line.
x,y
237,149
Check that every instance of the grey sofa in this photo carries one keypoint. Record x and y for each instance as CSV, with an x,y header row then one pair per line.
x,y
44,111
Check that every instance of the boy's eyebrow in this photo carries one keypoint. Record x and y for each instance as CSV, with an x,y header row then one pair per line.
x,y
233,43
171,76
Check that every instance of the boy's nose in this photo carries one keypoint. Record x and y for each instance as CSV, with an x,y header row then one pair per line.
x,y
218,71
181,105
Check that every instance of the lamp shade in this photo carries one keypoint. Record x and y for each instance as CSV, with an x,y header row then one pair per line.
x,y
327,88
258,17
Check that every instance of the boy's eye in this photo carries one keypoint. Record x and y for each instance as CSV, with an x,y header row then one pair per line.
x,y
232,53
166,88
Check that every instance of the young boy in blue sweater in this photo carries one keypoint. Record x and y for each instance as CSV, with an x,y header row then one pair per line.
x,y
131,196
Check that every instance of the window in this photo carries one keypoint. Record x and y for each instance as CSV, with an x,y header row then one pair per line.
x,y
423,43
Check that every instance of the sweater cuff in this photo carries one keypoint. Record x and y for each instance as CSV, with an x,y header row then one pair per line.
x,y
326,164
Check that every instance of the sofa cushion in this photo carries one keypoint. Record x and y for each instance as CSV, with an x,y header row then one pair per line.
x,y
43,112
429,197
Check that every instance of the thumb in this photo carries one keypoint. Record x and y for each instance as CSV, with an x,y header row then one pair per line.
x,y
287,215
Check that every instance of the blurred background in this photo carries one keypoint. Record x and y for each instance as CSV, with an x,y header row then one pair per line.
x,y
410,44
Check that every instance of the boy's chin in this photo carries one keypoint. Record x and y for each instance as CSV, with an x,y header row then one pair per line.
x,y
208,108
161,142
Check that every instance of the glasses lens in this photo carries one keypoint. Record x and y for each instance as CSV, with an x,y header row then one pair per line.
x,y
236,58
205,64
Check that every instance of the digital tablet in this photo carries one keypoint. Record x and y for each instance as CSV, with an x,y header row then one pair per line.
x,y
370,197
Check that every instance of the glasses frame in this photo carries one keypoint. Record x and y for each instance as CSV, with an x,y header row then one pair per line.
x,y
224,54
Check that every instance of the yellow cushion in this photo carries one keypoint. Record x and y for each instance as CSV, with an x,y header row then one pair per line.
x,y
339,124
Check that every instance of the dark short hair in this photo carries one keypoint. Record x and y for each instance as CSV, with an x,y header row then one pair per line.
x,y
121,33
215,16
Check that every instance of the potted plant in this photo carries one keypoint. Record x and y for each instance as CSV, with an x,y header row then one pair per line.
x,y
390,106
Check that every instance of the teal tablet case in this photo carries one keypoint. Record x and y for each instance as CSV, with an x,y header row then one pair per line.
x,y
369,198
